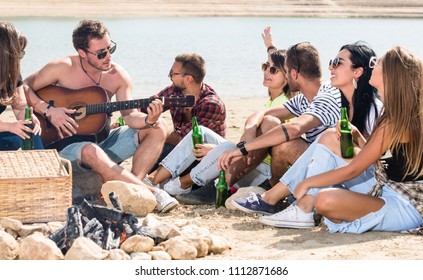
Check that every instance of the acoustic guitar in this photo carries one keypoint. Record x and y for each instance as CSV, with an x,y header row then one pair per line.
x,y
93,109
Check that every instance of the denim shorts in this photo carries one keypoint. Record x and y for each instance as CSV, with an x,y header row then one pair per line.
x,y
397,214
120,145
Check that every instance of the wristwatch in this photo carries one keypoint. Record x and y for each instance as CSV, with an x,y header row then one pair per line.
x,y
241,146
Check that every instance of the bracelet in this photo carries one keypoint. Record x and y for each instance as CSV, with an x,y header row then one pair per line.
x,y
271,47
46,110
285,132
149,124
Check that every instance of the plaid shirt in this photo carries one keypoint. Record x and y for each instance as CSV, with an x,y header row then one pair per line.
x,y
209,110
411,190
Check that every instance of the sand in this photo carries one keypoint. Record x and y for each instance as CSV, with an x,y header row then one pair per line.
x,y
249,239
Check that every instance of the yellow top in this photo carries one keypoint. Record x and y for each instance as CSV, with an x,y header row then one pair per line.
x,y
272,103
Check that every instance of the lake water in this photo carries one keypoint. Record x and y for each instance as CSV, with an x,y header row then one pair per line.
x,y
232,47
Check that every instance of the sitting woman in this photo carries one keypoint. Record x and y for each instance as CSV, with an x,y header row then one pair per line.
x,y
206,171
350,72
12,45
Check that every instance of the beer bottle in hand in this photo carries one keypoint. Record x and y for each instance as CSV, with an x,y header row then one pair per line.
x,y
121,122
222,190
197,135
28,144
347,147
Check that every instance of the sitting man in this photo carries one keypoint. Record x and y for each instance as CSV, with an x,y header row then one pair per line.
x,y
142,138
187,75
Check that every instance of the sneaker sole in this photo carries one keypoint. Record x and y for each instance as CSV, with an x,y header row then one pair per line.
x,y
243,209
169,207
283,224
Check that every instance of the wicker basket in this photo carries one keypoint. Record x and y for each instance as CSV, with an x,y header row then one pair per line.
x,y
35,186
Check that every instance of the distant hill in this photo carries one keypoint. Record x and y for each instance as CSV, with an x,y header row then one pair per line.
x,y
214,8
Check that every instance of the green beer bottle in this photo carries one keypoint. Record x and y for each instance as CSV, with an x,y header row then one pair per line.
x,y
222,190
347,147
121,122
197,135
28,144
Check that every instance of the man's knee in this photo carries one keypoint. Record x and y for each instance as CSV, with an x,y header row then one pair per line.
x,y
91,153
158,132
268,123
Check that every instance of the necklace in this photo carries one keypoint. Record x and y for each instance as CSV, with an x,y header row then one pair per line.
x,y
85,71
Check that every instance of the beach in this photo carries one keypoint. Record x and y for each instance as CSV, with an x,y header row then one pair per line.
x,y
249,239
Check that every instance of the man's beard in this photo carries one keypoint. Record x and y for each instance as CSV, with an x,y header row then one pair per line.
x,y
178,89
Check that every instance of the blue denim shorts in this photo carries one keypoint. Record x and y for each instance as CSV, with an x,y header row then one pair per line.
x,y
397,214
120,145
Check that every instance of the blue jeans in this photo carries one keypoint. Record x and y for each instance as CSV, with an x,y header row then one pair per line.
x,y
206,171
397,214
318,159
120,145
12,142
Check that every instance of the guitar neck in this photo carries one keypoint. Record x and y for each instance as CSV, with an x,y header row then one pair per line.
x,y
110,107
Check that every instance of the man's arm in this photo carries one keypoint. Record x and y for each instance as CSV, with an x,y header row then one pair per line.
x,y
132,117
50,74
275,136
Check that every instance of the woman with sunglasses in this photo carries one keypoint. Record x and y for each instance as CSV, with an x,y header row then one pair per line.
x,y
395,202
12,46
206,171
350,72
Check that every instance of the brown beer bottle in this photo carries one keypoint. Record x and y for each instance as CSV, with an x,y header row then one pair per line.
x,y
347,147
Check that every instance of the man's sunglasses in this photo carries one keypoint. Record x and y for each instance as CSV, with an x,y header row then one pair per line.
x,y
111,49
272,69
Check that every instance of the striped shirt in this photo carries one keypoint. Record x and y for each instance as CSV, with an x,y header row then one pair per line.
x,y
325,106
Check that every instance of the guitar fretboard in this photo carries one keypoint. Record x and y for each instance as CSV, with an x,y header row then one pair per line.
x,y
110,107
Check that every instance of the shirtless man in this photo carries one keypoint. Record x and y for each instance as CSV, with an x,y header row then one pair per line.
x,y
142,138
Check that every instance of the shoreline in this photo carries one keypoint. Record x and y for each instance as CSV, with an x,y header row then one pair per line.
x,y
214,8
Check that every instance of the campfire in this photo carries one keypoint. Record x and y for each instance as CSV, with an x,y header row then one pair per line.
x,y
107,227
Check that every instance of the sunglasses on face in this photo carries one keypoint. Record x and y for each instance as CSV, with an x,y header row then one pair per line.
x,y
111,49
272,69
171,74
373,62
334,63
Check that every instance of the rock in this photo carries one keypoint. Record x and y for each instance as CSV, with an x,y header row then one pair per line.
x,y
160,255
137,243
118,255
12,224
141,256
179,249
218,244
242,193
39,247
9,247
135,199
27,230
85,249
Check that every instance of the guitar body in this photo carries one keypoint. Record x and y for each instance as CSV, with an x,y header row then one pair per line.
x,y
73,99
92,109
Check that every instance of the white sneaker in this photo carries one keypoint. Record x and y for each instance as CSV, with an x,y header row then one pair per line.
x,y
173,187
291,217
165,202
147,181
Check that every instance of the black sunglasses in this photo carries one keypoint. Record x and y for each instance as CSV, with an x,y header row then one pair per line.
x,y
272,69
111,49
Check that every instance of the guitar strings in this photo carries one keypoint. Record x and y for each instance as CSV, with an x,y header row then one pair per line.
x,y
85,71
